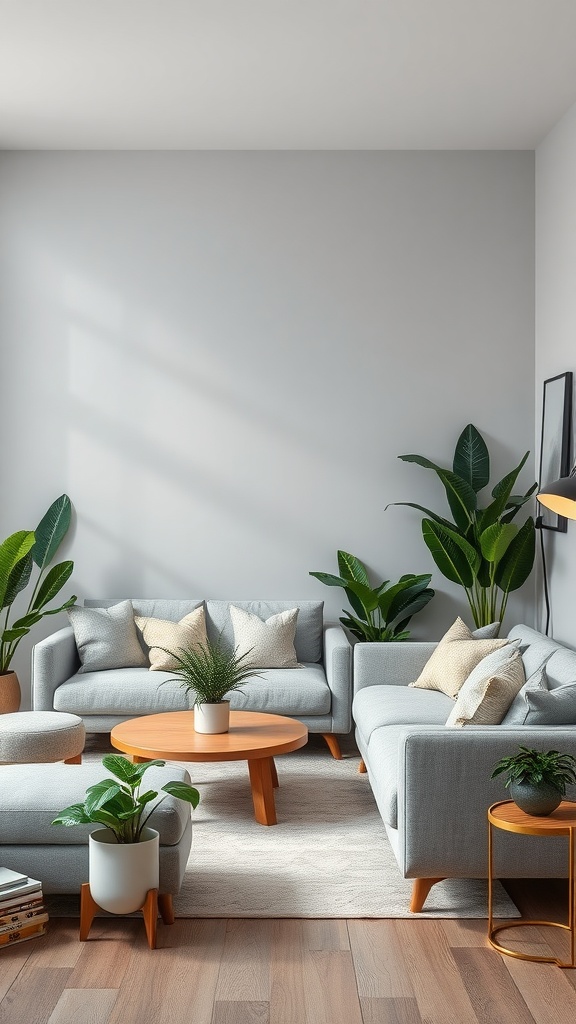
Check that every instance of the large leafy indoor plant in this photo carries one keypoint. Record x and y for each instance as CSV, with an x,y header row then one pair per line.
x,y
379,613
537,779
482,549
19,554
209,671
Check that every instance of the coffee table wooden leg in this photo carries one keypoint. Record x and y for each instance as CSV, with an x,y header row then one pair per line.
x,y
262,790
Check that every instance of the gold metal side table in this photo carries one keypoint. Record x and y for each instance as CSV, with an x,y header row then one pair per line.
x,y
507,816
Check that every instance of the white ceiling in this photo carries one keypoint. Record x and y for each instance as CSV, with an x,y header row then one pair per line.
x,y
284,74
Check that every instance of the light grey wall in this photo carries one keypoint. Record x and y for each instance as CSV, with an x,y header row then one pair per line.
x,y
556,330
219,357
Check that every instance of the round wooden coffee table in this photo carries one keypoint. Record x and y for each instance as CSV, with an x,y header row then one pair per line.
x,y
253,737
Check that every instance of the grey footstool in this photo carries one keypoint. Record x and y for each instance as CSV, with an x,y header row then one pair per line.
x,y
32,737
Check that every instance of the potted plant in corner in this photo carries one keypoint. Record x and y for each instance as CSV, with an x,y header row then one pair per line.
x,y
124,854
18,555
210,672
536,779
380,613
482,550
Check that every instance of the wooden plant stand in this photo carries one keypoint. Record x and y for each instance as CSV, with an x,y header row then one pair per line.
x,y
153,903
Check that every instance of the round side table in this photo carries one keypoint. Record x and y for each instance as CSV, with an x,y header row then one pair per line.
x,y
507,816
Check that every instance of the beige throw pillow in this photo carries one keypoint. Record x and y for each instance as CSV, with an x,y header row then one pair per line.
x,y
159,633
268,644
450,664
489,690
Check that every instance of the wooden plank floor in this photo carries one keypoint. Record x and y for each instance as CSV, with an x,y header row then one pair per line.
x,y
292,972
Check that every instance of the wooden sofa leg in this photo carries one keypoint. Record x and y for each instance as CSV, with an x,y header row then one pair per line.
x,y
77,759
333,745
420,890
362,767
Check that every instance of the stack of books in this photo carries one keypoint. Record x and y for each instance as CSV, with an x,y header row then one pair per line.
x,y
22,912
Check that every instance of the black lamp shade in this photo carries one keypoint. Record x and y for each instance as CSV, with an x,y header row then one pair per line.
x,y
560,496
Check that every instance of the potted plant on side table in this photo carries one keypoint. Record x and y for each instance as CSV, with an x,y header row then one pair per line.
x,y
536,779
124,854
210,672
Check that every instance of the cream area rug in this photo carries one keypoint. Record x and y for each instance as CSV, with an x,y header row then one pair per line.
x,y
328,856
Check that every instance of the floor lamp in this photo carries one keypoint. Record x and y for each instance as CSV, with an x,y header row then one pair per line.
x,y
559,497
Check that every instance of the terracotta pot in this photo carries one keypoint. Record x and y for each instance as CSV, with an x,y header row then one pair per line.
x,y
212,718
122,873
9,693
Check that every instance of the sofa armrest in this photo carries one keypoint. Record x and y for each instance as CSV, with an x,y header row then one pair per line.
x,y
395,664
338,667
54,660
445,789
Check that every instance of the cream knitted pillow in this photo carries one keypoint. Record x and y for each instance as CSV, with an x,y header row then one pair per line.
x,y
452,661
158,633
268,644
489,690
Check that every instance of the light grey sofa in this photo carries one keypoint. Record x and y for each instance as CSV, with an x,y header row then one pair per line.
x,y
432,783
319,693
31,795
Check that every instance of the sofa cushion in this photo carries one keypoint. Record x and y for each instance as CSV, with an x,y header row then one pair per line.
x,y
32,795
302,691
308,639
489,690
551,707
162,635
285,691
518,710
377,706
450,664
268,644
106,638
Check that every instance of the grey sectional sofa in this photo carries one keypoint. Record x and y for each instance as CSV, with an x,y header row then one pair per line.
x,y
318,693
432,783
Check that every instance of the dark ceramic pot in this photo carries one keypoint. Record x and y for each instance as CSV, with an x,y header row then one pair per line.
x,y
538,800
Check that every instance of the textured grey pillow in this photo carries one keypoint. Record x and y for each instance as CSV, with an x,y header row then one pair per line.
x,y
486,695
552,707
106,637
487,632
519,708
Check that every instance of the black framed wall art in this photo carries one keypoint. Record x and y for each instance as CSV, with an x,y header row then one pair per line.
x,y
555,441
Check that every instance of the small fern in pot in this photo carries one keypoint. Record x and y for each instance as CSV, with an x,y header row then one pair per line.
x,y
536,779
210,672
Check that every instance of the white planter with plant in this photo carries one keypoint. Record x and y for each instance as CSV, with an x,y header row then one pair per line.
x,y
123,855
210,672
18,555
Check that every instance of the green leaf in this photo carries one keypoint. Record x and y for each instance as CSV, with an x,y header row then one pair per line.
x,y
495,541
356,603
52,584
12,551
516,565
99,794
367,597
351,568
9,635
54,611
471,458
501,494
407,611
461,497
18,579
73,815
27,620
120,766
329,580
362,630
183,792
428,513
405,587
51,531
457,560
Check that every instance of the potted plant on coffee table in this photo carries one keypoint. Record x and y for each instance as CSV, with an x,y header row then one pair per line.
x,y
210,672
536,779
124,853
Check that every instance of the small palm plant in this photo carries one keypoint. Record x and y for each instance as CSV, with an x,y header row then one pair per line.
x,y
209,671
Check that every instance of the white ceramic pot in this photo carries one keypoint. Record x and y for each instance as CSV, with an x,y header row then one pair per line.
x,y
212,718
121,874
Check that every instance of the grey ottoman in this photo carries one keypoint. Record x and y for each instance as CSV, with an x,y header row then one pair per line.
x,y
28,737
31,795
